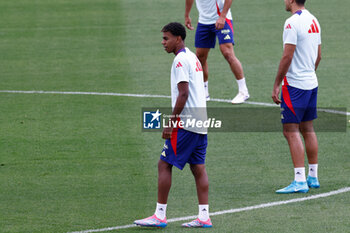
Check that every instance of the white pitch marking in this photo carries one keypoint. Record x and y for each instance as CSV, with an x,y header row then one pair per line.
x,y
85,93
265,205
152,96
97,27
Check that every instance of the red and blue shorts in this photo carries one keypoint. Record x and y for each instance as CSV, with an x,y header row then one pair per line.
x,y
206,35
184,147
298,105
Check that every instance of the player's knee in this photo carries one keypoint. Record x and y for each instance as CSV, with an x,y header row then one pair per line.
x,y
291,134
307,127
197,169
202,58
229,56
285,134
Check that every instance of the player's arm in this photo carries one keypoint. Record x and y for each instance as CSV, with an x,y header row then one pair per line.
x,y
179,106
220,23
318,59
188,23
283,67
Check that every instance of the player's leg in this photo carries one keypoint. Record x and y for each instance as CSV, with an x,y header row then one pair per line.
x,y
235,65
226,42
202,184
164,181
197,165
165,164
311,146
296,147
205,39
158,219
202,54
310,138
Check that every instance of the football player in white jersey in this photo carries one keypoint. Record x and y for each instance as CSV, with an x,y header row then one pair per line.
x,y
183,144
297,73
215,20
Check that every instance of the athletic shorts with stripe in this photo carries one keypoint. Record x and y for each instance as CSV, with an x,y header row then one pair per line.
x,y
184,147
298,105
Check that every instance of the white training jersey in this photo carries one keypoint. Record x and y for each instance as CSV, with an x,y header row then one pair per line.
x,y
303,30
209,11
187,68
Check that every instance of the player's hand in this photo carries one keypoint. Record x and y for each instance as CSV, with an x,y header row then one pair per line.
x,y
188,23
220,23
167,133
275,95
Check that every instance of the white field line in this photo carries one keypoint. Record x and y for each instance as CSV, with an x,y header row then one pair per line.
x,y
265,205
151,96
97,27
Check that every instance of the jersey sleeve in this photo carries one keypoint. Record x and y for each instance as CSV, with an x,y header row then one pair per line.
x,y
290,35
181,71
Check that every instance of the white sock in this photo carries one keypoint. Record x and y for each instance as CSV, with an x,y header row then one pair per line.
x,y
161,211
313,170
299,174
206,88
242,86
203,214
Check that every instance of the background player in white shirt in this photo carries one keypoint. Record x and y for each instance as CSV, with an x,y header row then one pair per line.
x,y
215,20
300,59
182,145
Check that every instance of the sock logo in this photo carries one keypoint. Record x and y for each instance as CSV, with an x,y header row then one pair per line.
x,y
298,173
161,209
204,209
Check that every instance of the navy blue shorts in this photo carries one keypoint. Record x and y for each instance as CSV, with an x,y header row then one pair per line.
x,y
184,147
298,105
206,35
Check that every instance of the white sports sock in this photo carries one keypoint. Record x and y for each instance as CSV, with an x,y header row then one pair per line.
x,y
206,88
203,213
242,86
161,211
299,174
313,170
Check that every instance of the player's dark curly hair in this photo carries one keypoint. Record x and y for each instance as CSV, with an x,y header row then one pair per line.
x,y
300,2
175,28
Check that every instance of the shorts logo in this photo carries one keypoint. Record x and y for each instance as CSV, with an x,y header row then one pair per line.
x,y
227,37
163,154
225,31
165,146
151,120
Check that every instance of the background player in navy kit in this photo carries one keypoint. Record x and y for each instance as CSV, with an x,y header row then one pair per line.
x,y
215,20
300,59
182,145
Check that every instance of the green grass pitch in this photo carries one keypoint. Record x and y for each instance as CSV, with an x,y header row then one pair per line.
x,y
79,162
